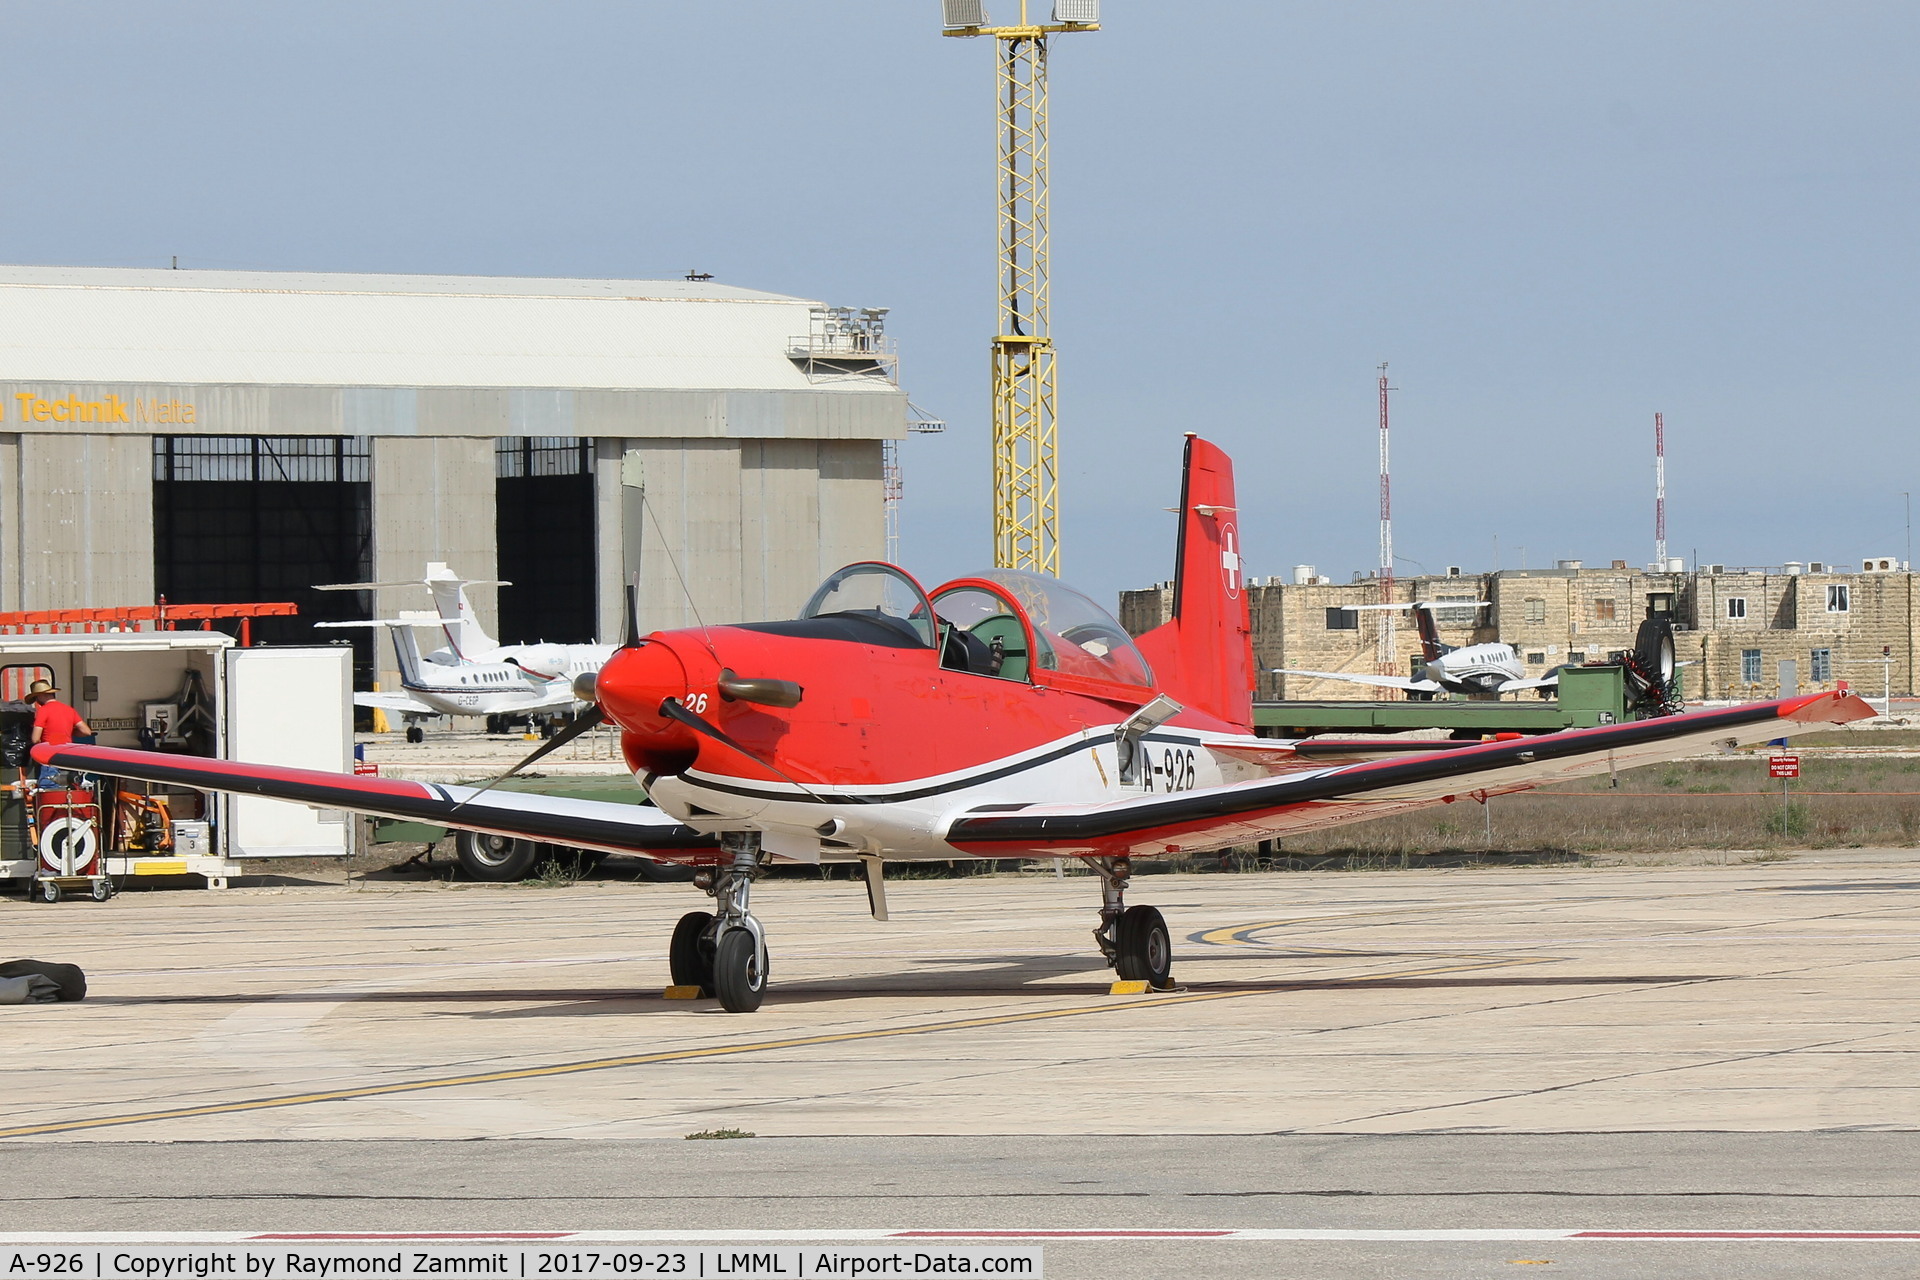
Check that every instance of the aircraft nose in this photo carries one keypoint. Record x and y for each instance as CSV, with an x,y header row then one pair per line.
x,y
630,689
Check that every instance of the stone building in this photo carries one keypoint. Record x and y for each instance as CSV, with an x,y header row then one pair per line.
x,y
1734,627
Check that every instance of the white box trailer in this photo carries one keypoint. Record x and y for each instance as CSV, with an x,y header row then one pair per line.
x,y
284,706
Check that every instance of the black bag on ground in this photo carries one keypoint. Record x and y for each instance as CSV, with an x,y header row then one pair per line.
x,y
67,977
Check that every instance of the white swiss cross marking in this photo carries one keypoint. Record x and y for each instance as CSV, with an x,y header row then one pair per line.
x,y
1230,561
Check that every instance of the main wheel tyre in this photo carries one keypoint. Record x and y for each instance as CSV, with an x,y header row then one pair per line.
x,y
494,858
1146,949
416,734
1653,663
688,958
739,972
1653,648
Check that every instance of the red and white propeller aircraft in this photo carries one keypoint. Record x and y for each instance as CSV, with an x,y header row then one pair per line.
x,y
1001,716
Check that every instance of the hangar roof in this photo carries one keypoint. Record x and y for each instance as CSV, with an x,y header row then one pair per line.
x,y
113,325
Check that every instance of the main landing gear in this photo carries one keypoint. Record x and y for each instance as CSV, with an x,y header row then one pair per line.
x,y
724,952
1133,939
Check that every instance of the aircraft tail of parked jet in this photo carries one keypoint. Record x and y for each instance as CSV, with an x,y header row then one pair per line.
x,y
453,611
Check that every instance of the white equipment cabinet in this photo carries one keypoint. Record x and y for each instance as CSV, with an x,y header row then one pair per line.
x,y
289,706
286,707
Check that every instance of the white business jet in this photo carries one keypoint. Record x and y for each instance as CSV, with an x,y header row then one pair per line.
x,y
472,674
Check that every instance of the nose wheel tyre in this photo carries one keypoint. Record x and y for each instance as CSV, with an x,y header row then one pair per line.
x,y
739,972
1144,946
688,957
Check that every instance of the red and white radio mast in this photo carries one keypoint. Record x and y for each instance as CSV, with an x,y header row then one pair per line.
x,y
1659,493
1387,658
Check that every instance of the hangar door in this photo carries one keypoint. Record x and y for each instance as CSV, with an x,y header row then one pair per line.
x,y
264,518
544,538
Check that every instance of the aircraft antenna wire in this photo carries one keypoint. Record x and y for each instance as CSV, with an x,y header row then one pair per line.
x,y
685,590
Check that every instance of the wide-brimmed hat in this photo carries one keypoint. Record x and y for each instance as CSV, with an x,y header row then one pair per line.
x,y
39,687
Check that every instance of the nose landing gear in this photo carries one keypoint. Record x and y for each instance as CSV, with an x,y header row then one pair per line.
x,y
724,953
1134,940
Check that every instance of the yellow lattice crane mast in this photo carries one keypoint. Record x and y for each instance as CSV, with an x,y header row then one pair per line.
x,y
1026,476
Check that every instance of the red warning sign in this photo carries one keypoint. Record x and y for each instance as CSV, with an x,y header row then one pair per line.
x,y
1783,766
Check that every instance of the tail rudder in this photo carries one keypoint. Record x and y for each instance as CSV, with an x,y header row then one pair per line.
x,y
1431,648
406,654
464,631
1204,656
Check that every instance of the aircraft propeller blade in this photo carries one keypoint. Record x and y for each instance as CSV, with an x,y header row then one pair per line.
x,y
632,640
587,720
674,709
765,692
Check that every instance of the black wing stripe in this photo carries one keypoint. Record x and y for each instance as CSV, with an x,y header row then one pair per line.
x,y
411,802
1338,783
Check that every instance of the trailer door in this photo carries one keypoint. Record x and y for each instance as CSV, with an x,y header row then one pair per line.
x,y
287,707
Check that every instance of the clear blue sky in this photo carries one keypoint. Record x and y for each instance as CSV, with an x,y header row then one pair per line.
x,y
1553,219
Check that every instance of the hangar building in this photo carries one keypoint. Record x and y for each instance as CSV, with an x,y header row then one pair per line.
x,y
213,436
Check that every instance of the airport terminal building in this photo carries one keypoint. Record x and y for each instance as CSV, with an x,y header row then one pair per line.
x,y
215,436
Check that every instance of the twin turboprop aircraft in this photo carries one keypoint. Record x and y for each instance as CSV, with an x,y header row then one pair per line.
x,y
1489,667
1001,716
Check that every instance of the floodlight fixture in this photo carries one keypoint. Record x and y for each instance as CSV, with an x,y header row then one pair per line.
x,y
963,13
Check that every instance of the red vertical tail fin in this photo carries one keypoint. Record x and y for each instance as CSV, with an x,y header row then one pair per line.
x,y
1204,657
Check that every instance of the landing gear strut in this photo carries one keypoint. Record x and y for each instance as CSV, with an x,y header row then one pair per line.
x,y
1133,939
724,953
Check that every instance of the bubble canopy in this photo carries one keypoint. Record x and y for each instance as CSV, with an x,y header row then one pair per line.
x,y
1072,634
878,593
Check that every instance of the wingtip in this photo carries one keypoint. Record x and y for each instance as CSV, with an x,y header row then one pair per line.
x,y
1827,708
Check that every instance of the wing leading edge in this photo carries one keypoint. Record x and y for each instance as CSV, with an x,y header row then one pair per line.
x,y
586,824
1379,682
1196,821
1536,682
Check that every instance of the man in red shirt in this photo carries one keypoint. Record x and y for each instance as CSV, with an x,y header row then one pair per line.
x,y
54,722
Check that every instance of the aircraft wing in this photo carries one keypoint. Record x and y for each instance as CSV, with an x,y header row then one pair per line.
x,y
393,702
557,696
420,620
1381,682
586,824
1240,813
1535,682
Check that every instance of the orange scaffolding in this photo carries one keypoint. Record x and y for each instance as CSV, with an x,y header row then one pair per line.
x,y
141,617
